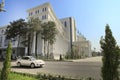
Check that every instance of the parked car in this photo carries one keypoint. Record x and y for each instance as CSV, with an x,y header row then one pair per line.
x,y
30,61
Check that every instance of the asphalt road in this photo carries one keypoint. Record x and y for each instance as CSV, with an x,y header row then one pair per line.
x,y
68,69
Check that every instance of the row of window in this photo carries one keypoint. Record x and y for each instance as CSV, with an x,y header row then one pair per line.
x,y
38,11
43,17
6,41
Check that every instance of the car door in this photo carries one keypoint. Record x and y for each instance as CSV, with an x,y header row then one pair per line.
x,y
22,61
25,61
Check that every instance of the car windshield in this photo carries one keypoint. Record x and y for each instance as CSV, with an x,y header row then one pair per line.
x,y
32,58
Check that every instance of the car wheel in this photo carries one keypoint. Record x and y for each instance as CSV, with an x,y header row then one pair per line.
x,y
32,65
41,66
18,64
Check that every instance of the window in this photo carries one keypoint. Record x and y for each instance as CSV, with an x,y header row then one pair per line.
x,y
35,12
6,42
38,11
44,17
25,58
65,24
13,43
0,41
14,39
43,10
30,14
2,31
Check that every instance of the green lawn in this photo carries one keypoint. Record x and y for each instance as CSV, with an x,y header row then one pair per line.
x,y
24,76
14,76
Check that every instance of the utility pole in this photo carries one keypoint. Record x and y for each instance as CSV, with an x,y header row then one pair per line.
x,y
2,4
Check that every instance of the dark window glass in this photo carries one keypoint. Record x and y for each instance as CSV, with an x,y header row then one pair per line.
x,y
43,10
25,58
38,11
35,12
65,23
31,13
45,17
42,17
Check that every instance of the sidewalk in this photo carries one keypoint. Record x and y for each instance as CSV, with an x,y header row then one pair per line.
x,y
91,59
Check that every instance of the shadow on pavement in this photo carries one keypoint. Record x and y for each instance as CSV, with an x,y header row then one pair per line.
x,y
24,67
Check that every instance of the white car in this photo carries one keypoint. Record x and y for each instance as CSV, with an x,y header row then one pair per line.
x,y
30,61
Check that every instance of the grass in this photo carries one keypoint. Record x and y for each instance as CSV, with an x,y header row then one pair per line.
x,y
20,77
17,76
25,76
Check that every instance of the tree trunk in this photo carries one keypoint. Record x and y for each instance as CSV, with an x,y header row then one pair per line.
x,y
29,45
33,43
36,45
48,50
44,49
18,46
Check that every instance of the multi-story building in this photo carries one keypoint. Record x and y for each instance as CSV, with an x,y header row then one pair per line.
x,y
70,29
83,45
45,13
65,38
19,49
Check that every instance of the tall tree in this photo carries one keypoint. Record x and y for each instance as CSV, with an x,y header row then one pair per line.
x,y
52,34
110,56
48,34
16,29
44,35
5,74
34,25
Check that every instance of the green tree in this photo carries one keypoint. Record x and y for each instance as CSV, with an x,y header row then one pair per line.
x,y
48,34
52,35
110,56
34,25
5,74
16,29
44,35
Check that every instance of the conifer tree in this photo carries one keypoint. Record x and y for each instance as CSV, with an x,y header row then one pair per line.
x,y
110,58
5,74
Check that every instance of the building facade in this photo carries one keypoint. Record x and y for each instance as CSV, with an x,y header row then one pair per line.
x,y
65,39
45,13
83,45
18,50
70,29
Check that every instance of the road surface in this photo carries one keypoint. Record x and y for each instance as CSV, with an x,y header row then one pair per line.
x,y
76,69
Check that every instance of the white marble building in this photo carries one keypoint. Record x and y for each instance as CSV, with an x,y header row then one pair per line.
x,y
66,34
83,45
61,46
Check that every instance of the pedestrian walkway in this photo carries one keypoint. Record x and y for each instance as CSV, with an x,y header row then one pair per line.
x,y
91,59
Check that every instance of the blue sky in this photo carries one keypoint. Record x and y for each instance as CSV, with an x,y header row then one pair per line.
x,y
91,15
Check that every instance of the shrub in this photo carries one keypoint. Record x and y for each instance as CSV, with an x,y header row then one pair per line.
x,y
7,64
